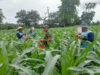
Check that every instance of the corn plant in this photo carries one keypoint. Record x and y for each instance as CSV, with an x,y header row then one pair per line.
x,y
21,57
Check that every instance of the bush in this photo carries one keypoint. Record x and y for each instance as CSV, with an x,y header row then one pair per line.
x,y
10,26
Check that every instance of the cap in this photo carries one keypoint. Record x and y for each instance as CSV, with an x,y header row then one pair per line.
x,y
32,28
46,26
84,24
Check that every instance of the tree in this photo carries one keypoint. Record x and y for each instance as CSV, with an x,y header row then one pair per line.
x,y
22,17
27,17
53,18
68,11
33,17
88,14
89,6
1,16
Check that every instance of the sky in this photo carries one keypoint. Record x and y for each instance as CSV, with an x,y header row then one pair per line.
x,y
10,7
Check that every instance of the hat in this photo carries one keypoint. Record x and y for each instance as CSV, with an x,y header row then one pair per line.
x,y
84,24
32,28
19,28
46,26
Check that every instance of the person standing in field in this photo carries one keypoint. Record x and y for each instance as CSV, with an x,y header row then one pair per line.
x,y
47,36
30,32
86,35
20,34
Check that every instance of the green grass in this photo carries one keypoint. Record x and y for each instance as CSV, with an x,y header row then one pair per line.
x,y
26,58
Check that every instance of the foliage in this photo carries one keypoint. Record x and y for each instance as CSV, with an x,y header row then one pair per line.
x,y
21,57
1,16
88,14
53,19
8,26
27,17
68,11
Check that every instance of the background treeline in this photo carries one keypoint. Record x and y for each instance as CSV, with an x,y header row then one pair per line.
x,y
67,15
9,26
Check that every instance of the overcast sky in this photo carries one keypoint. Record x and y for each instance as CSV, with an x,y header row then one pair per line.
x,y
10,7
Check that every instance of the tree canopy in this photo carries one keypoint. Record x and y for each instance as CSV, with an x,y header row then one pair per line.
x,y
68,11
1,16
88,14
27,17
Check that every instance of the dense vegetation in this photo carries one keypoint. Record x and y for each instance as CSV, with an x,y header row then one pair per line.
x,y
21,57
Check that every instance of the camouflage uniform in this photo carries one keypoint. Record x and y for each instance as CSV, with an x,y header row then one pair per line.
x,y
47,35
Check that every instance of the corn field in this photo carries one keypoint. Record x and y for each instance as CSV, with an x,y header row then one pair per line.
x,y
26,58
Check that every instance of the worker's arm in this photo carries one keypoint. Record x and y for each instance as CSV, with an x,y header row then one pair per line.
x,y
49,38
34,33
90,37
24,33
